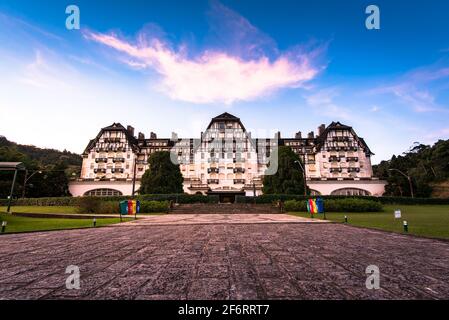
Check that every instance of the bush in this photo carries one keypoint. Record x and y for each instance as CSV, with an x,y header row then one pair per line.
x,y
295,206
270,198
89,205
57,201
154,206
337,205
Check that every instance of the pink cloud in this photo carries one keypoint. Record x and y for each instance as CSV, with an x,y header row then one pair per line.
x,y
218,75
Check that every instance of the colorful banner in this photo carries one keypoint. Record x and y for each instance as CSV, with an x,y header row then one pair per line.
x,y
311,206
315,206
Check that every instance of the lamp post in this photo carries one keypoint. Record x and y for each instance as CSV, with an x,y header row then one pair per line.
x,y
304,176
27,179
134,176
254,192
408,178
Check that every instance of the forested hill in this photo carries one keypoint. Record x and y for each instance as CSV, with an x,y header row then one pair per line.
x,y
427,166
12,151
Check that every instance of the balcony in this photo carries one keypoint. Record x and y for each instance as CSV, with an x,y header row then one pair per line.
x,y
353,169
212,160
114,140
239,170
102,170
335,170
199,186
352,159
213,170
239,160
239,181
141,162
117,170
334,159
213,181
97,160
118,160
340,139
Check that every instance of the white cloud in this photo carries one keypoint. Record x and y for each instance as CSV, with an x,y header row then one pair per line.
x,y
250,68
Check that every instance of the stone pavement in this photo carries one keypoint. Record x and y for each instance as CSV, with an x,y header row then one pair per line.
x,y
234,218
223,261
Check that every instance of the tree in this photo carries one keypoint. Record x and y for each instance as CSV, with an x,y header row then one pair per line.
x,y
289,176
52,182
426,165
162,176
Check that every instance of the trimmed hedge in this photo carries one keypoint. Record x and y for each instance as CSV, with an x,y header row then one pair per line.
x,y
154,206
97,205
271,198
186,198
337,205
74,201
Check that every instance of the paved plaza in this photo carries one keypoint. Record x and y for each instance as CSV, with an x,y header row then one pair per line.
x,y
222,257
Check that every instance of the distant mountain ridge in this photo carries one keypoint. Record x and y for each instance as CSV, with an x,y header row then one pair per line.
x,y
43,156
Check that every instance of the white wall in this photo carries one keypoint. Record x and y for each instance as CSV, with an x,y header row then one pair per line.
x,y
79,188
375,187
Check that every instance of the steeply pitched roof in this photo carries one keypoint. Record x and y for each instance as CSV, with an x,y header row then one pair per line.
x,y
338,125
116,126
226,116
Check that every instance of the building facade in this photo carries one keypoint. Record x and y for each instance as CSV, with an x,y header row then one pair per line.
x,y
227,161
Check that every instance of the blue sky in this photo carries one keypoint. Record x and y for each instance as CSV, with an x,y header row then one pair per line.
x,y
168,66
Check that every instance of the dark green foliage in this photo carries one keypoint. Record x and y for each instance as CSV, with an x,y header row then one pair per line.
x,y
89,205
55,167
154,206
43,156
70,201
424,164
102,206
288,178
162,176
338,205
271,198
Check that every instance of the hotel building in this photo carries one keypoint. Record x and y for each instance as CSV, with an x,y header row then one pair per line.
x,y
227,161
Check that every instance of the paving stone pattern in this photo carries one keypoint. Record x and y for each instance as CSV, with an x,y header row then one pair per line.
x,y
223,261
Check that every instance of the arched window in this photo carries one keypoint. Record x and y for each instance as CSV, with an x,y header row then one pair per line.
x,y
350,192
103,193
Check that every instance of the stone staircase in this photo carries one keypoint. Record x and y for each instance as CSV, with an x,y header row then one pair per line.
x,y
224,208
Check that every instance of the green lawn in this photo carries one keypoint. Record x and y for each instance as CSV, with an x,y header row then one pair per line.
x,y
23,224
41,209
53,209
423,220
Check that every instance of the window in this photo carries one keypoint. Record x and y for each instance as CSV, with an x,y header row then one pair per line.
x,y
103,193
350,192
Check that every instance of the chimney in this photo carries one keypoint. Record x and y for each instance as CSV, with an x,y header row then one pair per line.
x,y
298,135
141,136
310,135
153,135
130,130
321,129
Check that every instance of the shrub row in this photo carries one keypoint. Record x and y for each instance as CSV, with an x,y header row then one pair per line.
x,y
99,206
74,201
270,198
186,198
337,205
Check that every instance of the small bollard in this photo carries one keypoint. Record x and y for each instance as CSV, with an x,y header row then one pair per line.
x,y
4,223
95,222
346,219
405,226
